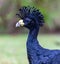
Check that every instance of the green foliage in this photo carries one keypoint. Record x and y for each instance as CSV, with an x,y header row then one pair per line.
x,y
27,3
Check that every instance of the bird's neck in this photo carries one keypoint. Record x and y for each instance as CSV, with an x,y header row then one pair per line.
x,y
32,42
33,33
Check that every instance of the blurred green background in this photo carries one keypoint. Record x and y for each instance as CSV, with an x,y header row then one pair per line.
x,y
13,40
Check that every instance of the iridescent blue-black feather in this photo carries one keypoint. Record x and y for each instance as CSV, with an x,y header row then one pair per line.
x,y
32,13
33,19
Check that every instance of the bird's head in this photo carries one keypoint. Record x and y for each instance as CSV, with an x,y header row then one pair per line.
x,y
29,17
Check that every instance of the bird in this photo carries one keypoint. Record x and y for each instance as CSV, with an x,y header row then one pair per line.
x,y
32,19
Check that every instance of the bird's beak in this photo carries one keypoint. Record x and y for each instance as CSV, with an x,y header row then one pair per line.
x,y
20,23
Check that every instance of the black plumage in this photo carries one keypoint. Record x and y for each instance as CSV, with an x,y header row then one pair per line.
x,y
33,20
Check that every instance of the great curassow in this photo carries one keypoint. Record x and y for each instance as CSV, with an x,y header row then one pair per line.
x,y
32,19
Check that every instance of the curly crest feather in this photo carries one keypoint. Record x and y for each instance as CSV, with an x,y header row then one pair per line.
x,y
32,13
